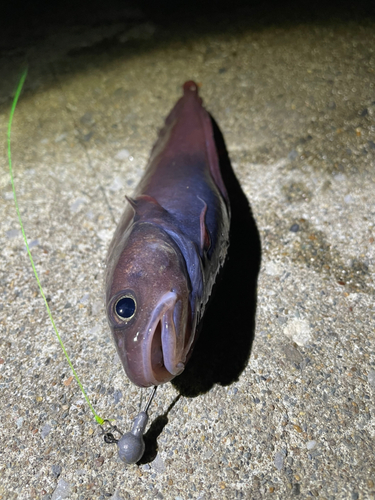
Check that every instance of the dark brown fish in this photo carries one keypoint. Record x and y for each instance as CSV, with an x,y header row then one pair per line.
x,y
168,248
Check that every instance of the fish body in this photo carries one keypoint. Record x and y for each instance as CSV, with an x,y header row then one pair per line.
x,y
171,241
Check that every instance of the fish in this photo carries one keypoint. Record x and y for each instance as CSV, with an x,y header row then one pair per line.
x,y
168,248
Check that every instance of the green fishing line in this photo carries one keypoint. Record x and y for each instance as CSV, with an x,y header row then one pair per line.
x,y
18,92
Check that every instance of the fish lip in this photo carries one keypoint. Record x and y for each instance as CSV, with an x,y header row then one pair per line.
x,y
163,313
172,344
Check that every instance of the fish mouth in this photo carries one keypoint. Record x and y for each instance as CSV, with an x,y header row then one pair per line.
x,y
163,357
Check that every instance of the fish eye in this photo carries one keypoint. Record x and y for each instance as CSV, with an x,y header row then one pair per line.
x,y
125,308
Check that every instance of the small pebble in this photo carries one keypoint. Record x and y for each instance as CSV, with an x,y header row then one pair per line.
x,y
63,490
292,354
310,445
33,243
85,298
87,119
61,137
116,495
99,461
74,207
371,378
56,470
296,490
12,233
46,429
117,184
279,460
158,464
273,268
299,331
123,154
117,395
292,155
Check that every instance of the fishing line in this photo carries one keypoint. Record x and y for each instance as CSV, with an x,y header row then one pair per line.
x,y
14,104
131,445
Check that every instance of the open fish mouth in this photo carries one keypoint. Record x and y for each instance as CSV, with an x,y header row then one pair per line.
x,y
163,357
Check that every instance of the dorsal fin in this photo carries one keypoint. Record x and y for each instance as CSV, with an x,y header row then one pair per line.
x,y
143,205
205,235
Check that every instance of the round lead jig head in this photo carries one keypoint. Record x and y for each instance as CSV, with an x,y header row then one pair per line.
x,y
131,445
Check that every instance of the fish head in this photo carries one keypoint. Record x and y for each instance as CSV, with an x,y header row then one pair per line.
x,y
148,306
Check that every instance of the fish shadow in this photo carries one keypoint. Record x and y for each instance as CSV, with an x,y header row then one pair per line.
x,y
227,328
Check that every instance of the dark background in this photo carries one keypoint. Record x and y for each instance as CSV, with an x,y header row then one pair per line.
x,y
25,21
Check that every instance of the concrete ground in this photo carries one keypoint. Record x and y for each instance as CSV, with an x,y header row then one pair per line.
x,y
296,105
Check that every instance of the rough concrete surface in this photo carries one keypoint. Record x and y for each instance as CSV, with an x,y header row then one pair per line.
x,y
296,106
